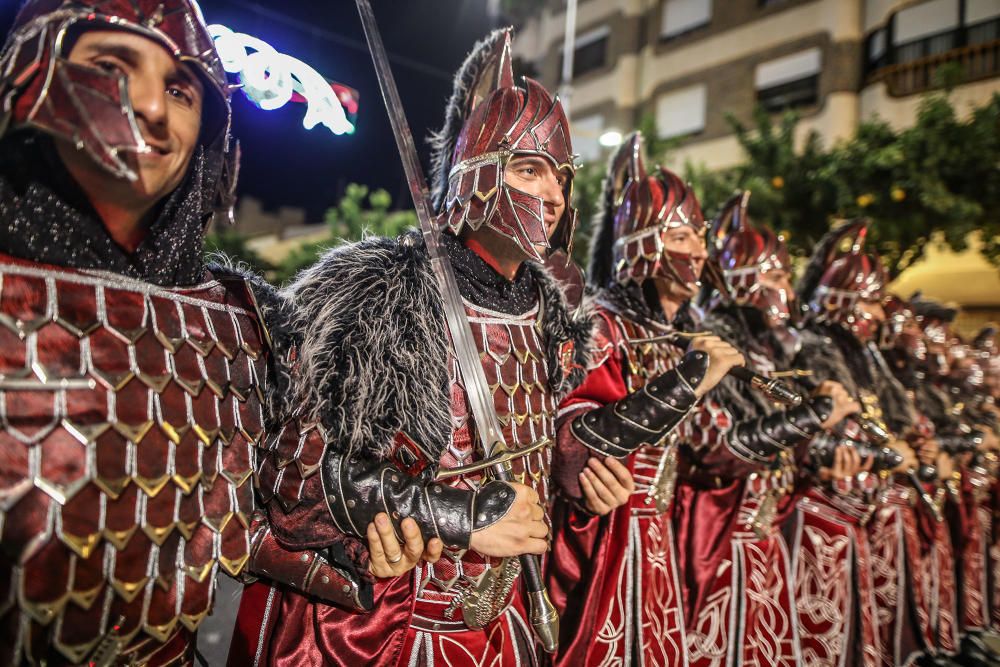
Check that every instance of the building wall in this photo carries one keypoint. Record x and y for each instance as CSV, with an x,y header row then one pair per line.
x,y
641,67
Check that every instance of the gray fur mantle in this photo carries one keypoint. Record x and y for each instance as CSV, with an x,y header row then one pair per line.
x,y
373,353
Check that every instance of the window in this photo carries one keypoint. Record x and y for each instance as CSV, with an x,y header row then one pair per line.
x,y
590,51
790,81
681,112
680,16
983,20
933,28
924,20
586,136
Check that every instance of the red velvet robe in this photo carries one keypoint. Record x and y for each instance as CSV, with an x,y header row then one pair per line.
x,y
411,622
614,579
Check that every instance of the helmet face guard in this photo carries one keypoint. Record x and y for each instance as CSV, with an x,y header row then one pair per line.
x,y
502,121
646,209
745,252
40,88
850,279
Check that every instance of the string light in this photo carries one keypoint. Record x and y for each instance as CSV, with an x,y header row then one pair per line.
x,y
271,80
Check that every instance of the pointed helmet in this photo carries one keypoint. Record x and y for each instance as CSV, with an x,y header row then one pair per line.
x,y
639,210
837,281
744,252
489,121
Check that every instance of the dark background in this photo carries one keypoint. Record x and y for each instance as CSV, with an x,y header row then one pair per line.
x,y
286,165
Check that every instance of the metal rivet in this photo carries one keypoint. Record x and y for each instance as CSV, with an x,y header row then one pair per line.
x,y
482,516
645,422
395,479
503,495
346,588
304,557
437,626
437,488
325,579
616,439
351,504
395,515
333,499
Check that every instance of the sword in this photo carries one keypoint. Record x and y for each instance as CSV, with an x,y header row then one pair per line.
x,y
544,618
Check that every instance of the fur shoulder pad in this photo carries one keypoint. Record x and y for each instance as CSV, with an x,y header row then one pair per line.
x,y
373,358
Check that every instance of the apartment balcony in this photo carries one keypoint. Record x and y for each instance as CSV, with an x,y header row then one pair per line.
x,y
973,54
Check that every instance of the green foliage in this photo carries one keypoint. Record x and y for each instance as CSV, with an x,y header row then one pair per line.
x,y
587,185
359,213
940,175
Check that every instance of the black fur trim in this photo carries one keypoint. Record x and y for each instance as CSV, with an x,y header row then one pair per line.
x,y
373,358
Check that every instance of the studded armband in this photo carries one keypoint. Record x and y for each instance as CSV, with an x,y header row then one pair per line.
x,y
358,487
763,437
619,428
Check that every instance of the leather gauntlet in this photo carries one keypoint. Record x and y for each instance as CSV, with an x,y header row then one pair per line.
x,y
761,438
357,488
646,416
310,572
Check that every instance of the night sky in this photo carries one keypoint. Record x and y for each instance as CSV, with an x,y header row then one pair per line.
x,y
286,165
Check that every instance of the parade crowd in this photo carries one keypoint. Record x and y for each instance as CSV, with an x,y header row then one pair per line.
x,y
684,453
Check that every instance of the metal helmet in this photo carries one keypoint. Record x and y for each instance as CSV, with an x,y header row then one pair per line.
x,y
41,89
744,252
837,281
639,209
489,121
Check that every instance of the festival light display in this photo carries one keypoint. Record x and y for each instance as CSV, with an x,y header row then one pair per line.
x,y
271,80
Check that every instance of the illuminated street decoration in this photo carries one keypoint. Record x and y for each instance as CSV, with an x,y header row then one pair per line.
x,y
270,80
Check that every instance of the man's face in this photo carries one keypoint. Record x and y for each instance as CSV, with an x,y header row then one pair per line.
x,y
167,99
537,176
683,240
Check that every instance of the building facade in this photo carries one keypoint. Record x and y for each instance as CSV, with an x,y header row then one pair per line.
x,y
688,63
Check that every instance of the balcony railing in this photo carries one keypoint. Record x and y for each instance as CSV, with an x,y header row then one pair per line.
x,y
976,62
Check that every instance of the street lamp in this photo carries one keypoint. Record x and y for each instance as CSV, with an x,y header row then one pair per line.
x,y
610,139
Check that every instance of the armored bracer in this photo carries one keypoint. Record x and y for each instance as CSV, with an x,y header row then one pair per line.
x,y
359,487
761,438
645,416
324,574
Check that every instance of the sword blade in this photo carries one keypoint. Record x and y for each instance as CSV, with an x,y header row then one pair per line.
x,y
480,398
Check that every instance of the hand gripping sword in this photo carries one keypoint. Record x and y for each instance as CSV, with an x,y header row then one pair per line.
x,y
544,618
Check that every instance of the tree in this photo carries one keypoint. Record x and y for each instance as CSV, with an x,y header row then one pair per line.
x,y
940,175
359,213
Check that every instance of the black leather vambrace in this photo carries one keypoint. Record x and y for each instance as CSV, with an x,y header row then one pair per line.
x,y
647,415
761,438
359,487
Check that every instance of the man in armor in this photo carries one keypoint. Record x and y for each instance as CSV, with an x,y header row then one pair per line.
x,y
737,564
911,538
135,382
948,393
617,577
835,585
380,376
